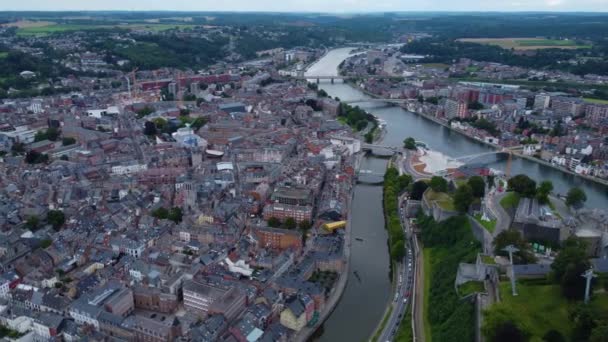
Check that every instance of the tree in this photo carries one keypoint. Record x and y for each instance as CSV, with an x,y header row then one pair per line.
x,y
418,189
475,105
33,157
599,334
68,141
543,191
305,225
160,213
175,214
409,143
55,218
584,321
515,238
149,128
46,243
404,181
523,185
576,197
502,324
274,222
32,222
290,223
568,266
463,197
553,336
398,250
439,184
478,186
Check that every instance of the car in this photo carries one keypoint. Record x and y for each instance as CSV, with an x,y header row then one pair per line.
x,y
404,300
407,293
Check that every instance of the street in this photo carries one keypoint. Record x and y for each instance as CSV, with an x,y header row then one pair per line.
x,y
403,288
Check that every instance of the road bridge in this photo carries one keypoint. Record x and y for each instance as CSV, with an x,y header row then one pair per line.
x,y
332,78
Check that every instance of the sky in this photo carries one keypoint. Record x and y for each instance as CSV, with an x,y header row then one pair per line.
x,y
337,6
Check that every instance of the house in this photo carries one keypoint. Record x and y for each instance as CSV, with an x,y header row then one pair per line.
x,y
298,312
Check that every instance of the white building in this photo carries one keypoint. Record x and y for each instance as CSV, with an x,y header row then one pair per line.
x,y
98,113
128,169
185,136
239,267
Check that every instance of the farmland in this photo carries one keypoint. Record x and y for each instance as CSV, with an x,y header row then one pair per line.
x,y
527,43
44,28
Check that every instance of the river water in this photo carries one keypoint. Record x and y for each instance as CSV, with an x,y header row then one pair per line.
x,y
364,301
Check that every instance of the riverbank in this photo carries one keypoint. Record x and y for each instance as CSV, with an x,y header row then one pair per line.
x,y
306,333
495,146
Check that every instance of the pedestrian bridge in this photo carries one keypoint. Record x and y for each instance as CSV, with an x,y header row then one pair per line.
x,y
471,157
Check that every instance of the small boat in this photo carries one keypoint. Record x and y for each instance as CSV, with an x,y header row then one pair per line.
x,y
357,275
359,239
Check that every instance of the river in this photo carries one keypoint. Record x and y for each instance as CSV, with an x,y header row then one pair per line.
x,y
364,301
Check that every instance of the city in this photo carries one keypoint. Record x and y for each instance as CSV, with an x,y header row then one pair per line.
x,y
296,176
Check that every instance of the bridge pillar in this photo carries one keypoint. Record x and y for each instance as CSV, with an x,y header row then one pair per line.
x,y
332,81
318,81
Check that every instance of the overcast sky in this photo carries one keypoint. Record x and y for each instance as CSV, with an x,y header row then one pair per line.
x,y
309,5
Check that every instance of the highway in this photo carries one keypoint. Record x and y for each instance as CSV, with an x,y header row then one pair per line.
x,y
403,288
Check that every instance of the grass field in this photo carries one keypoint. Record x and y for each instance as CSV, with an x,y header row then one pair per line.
x,y
3,55
470,287
427,252
488,225
443,200
49,28
527,43
598,101
511,200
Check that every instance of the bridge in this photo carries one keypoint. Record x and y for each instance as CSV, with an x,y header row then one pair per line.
x,y
394,101
332,78
471,157
370,177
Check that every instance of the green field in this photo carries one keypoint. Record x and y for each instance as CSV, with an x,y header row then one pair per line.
x,y
441,66
443,200
544,308
3,55
490,226
545,42
470,287
597,101
511,200
55,28
527,43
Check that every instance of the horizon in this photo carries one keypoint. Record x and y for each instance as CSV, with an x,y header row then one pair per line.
x,y
312,6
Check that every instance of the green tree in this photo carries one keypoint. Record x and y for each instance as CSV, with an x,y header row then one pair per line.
x,y
439,184
523,185
149,128
160,213
55,218
478,186
418,189
403,182
515,238
584,321
554,336
568,266
463,197
290,223
305,225
46,243
175,214
68,141
576,197
543,191
398,250
599,334
32,222
409,143
503,325
33,157
274,222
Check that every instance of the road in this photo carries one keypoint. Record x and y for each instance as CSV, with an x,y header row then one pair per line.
x,y
403,286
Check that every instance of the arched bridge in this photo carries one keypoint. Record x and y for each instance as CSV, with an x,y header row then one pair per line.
x,y
468,158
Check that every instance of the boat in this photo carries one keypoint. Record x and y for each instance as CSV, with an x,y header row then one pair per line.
x,y
357,275
359,239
